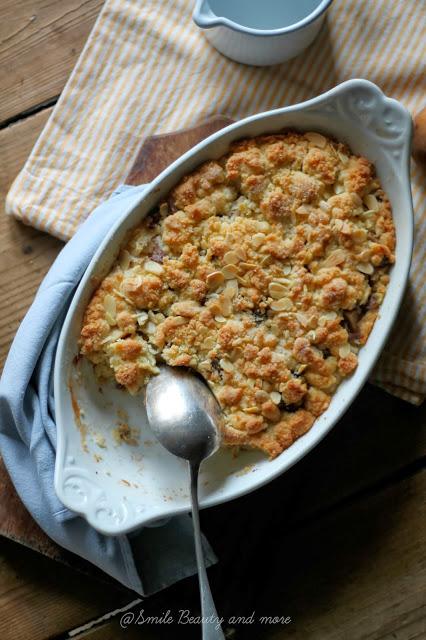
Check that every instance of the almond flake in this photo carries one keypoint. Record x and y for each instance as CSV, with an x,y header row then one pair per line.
x,y
220,318
336,257
215,279
371,202
231,257
275,397
257,240
231,289
316,139
110,307
226,306
124,260
240,253
284,304
277,290
226,365
230,271
153,267
263,226
141,318
251,410
365,267
209,342
345,350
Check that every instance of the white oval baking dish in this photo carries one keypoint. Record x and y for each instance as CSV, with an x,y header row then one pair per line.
x,y
118,488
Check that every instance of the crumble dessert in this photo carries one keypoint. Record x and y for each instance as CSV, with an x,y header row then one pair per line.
x,y
264,272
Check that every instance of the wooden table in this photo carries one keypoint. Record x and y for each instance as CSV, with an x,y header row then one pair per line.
x,y
337,544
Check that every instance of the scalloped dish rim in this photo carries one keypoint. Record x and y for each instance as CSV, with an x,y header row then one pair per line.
x,y
379,128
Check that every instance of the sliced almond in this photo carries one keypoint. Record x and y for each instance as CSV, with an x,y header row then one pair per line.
x,y
230,271
231,289
248,265
338,188
359,235
116,334
226,306
344,350
303,210
219,318
328,316
209,342
285,281
124,260
150,328
277,290
153,267
283,304
141,318
226,365
257,240
336,257
365,267
231,257
275,397
240,253
215,279
316,139
110,306
324,206
263,226
251,410
371,202
302,319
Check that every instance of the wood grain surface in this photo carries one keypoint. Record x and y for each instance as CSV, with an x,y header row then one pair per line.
x,y
158,152
40,42
338,543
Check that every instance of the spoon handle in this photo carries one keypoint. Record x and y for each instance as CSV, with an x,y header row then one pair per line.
x,y
211,629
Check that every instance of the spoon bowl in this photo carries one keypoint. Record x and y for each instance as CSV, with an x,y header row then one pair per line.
x,y
183,414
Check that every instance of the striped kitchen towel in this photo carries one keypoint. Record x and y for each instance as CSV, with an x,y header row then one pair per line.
x,y
146,69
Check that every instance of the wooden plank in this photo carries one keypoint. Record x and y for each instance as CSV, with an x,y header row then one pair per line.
x,y
39,45
41,599
114,631
25,254
358,574
158,152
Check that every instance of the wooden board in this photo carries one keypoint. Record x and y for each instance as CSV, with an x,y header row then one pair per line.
x,y
39,45
358,573
370,438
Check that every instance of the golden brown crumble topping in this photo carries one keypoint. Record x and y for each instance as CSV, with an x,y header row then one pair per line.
x,y
264,271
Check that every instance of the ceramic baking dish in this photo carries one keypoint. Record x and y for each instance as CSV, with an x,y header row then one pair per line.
x,y
119,487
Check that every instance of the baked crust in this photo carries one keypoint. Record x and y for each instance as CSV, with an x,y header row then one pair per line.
x,y
263,271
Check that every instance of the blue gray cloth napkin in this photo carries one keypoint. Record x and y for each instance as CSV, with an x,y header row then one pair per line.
x,y
155,557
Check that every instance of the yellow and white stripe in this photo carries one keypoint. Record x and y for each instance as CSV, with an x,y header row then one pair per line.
x,y
147,69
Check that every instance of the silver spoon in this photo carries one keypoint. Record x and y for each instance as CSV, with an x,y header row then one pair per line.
x,y
185,416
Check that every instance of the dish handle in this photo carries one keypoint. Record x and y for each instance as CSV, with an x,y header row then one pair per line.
x,y
361,103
